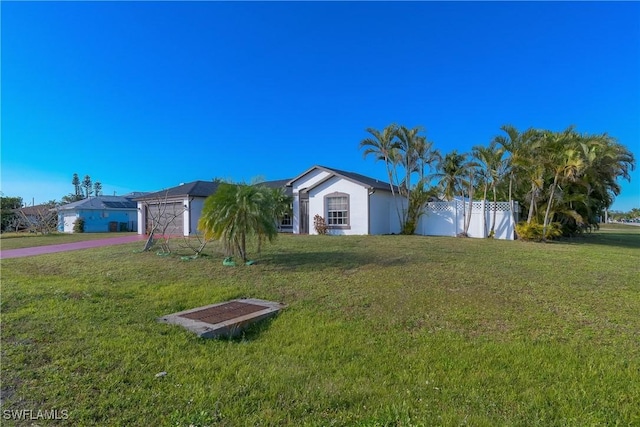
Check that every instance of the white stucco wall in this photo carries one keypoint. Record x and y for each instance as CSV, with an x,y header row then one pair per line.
x,y
358,205
306,181
384,215
69,219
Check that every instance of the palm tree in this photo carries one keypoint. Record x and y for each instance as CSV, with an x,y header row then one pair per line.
x,y
492,169
416,154
563,159
427,156
237,212
481,155
403,148
449,174
408,141
97,188
470,170
521,165
587,194
383,146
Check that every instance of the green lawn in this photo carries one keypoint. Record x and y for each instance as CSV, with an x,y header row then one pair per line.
x,y
28,240
380,331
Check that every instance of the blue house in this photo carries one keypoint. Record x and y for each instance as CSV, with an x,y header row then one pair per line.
x,y
101,214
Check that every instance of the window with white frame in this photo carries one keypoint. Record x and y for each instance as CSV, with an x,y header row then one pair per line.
x,y
337,209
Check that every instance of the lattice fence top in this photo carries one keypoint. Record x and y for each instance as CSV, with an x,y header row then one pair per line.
x,y
440,206
477,206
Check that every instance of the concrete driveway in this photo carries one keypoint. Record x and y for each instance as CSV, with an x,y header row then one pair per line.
x,y
64,247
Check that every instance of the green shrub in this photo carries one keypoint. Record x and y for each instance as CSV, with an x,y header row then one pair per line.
x,y
533,231
78,225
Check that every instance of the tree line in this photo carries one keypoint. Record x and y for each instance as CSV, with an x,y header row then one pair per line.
x,y
83,189
564,180
44,219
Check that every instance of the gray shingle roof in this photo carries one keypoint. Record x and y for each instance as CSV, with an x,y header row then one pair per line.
x,y
279,183
195,189
101,203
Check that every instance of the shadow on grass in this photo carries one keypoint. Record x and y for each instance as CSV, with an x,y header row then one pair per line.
x,y
339,259
606,238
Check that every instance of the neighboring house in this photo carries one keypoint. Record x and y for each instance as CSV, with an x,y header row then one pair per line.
x,y
177,210
350,203
101,214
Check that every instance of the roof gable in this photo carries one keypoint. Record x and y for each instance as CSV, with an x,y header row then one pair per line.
x,y
363,180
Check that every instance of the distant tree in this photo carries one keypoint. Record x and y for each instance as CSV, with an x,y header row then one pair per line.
x,y
87,184
8,215
77,185
97,188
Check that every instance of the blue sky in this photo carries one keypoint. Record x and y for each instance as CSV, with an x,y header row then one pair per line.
x,y
145,95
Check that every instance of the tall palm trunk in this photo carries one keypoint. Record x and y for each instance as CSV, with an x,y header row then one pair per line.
x,y
546,214
387,162
484,210
467,221
495,210
511,206
532,203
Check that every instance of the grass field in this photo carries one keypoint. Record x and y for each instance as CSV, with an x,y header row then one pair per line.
x,y
380,331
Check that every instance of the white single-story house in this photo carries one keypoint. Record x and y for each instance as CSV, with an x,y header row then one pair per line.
x,y
350,203
100,214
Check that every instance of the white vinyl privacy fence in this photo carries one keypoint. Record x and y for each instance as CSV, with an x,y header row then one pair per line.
x,y
447,219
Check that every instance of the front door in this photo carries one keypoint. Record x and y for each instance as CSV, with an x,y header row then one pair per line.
x,y
304,216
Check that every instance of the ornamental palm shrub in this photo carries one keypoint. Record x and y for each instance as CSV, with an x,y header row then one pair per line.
x,y
536,232
237,212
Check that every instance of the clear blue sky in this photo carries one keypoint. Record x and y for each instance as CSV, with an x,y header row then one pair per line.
x,y
146,95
